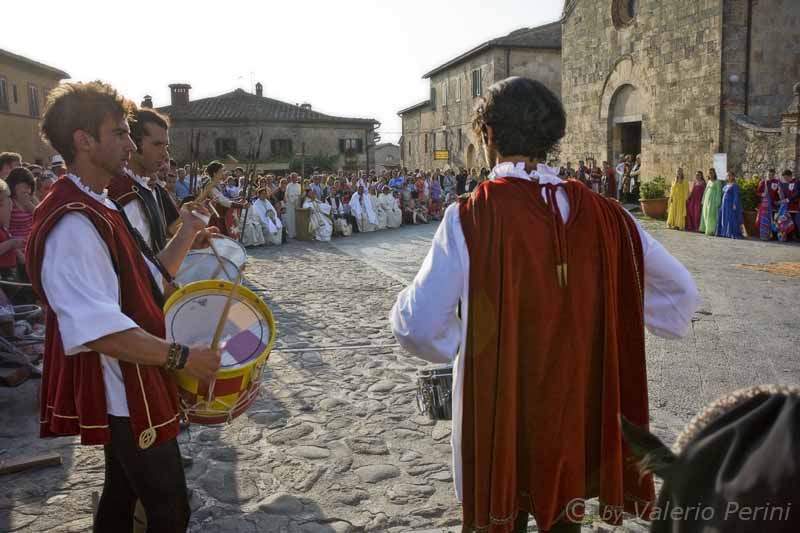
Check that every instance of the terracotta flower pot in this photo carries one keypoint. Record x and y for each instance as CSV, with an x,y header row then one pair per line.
x,y
751,223
656,208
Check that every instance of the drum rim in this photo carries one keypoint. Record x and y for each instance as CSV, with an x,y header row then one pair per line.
x,y
197,253
207,249
250,296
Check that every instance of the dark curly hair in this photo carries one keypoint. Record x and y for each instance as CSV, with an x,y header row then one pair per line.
x,y
526,118
17,176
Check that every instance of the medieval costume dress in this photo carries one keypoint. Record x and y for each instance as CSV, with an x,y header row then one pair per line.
x,y
364,213
380,213
537,395
319,223
784,218
271,226
293,192
712,198
729,222
676,214
694,206
252,234
770,197
390,205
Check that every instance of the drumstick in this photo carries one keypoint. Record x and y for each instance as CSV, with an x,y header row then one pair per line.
x,y
221,266
218,333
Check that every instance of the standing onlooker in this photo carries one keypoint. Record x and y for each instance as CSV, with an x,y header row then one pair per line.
x,y
57,166
461,183
182,189
679,193
8,162
711,201
472,181
695,202
730,219
43,185
20,182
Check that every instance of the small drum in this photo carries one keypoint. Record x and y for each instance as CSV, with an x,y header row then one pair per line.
x,y
202,264
434,386
191,317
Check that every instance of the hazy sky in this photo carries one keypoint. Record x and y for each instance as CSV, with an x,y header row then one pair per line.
x,y
358,58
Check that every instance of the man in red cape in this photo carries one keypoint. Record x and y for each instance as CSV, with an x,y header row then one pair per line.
x,y
555,284
106,373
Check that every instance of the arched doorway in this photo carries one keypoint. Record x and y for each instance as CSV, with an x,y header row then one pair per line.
x,y
471,156
624,124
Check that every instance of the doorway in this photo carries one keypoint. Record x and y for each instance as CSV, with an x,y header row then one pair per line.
x,y
631,138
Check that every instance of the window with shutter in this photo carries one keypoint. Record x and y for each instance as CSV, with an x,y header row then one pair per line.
x,y
458,89
33,100
225,147
433,98
351,146
281,147
3,95
477,89
426,143
444,93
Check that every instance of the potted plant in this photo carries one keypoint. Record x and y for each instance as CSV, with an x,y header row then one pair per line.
x,y
653,198
748,189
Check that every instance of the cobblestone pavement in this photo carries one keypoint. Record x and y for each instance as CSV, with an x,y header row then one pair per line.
x,y
335,443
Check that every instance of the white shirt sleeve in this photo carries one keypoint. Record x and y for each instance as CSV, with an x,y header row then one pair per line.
x,y
81,285
134,210
424,319
220,198
670,293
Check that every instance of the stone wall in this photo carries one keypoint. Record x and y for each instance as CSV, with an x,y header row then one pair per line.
x,y
774,58
19,132
448,126
669,54
318,138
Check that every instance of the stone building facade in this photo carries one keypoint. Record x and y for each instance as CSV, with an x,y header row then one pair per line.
x,y
385,156
24,86
442,123
230,125
680,80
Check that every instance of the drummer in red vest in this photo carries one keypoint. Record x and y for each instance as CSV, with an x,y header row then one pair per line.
x,y
147,205
106,365
556,284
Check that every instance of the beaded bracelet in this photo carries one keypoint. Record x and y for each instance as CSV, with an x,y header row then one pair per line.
x,y
183,357
173,356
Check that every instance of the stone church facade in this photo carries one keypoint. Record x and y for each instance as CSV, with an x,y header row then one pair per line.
x,y
440,125
681,80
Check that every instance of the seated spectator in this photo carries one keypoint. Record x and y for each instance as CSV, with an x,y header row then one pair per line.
x,y
436,199
12,258
21,184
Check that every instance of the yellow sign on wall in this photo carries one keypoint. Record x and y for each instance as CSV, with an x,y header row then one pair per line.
x,y
441,155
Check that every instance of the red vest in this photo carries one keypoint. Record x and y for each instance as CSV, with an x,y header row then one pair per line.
x,y
554,354
72,392
8,259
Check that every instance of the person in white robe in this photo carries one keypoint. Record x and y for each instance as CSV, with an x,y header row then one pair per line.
x,y
251,232
269,221
363,211
391,206
319,223
380,212
293,192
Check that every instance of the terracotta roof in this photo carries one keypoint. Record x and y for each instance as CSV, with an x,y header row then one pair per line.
x,y
35,64
240,105
413,107
542,37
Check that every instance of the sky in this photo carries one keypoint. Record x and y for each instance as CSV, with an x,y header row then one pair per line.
x,y
354,58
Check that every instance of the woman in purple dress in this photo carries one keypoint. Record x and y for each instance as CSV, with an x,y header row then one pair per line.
x,y
729,222
694,204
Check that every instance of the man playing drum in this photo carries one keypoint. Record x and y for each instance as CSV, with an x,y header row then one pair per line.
x,y
556,284
147,206
106,365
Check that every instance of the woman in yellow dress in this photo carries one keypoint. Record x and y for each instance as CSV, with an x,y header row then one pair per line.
x,y
679,194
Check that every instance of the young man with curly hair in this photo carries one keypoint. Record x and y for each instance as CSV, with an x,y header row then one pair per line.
x,y
556,284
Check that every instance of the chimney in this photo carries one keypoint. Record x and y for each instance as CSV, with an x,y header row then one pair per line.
x,y
306,105
147,103
259,89
179,93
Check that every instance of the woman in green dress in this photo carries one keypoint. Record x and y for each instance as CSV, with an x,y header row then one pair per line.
x,y
712,199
